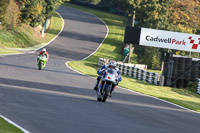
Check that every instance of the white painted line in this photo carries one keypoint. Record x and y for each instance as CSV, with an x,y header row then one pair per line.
x,y
159,99
138,92
25,131
122,87
2,55
55,36
104,37
73,69
11,122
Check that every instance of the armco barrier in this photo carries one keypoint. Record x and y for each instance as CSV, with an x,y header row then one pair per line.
x,y
198,85
45,26
131,71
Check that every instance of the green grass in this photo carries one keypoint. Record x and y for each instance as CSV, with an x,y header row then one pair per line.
x,y
155,71
112,46
55,27
8,128
7,51
25,37
16,39
22,39
111,49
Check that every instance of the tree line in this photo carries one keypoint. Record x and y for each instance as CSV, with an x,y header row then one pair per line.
x,y
31,12
173,15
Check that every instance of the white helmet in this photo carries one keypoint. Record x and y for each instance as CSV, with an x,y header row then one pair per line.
x,y
112,63
44,50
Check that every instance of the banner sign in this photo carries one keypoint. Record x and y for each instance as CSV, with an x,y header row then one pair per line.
x,y
170,40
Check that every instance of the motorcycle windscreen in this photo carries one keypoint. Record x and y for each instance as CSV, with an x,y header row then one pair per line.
x,y
112,71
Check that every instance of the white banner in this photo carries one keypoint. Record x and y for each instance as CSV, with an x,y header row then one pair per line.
x,y
170,40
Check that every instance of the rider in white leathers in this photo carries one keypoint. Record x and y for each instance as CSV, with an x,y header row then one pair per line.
x,y
112,64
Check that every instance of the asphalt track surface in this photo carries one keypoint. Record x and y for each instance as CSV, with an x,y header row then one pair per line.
x,y
59,100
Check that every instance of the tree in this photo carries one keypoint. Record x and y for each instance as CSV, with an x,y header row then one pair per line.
x,y
35,12
50,6
120,4
184,15
153,14
3,6
12,15
95,2
31,12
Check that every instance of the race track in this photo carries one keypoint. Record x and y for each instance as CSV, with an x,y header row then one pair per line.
x,y
60,100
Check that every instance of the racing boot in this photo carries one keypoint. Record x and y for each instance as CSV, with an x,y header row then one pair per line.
x,y
96,86
111,92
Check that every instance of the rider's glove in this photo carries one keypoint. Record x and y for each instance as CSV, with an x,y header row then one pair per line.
x,y
102,71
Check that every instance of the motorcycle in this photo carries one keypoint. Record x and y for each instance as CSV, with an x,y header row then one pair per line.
x,y
41,61
110,78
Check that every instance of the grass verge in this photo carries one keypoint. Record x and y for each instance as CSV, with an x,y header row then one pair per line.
x,y
26,37
8,128
111,49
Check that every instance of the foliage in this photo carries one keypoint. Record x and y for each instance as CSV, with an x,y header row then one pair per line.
x,y
173,15
95,2
31,12
181,97
3,6
25,36
12,15
153,14
35,12
50,6
184,15
119,4
192,86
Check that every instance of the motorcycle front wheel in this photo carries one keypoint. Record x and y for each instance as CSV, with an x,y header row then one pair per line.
x,y
105,94
40,65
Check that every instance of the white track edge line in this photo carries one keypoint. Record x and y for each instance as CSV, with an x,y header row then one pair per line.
x,y
54,37
104,37
120,86
138,92
11,122
32,51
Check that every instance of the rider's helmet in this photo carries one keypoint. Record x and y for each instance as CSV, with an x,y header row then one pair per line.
x,y
112,64
44,50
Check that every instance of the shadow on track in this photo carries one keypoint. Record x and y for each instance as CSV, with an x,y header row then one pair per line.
x,y
79,93
45,69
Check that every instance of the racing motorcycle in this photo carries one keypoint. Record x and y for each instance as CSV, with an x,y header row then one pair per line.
x,y
41,61
110,78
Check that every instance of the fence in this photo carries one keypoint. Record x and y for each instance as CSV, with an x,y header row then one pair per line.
x,y
134,72
198,85
45,26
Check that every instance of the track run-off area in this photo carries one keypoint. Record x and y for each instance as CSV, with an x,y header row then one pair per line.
x,y
60,100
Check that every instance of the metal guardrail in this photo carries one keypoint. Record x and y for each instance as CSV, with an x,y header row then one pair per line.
x,y
198,85
126,58
134,72
44,26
